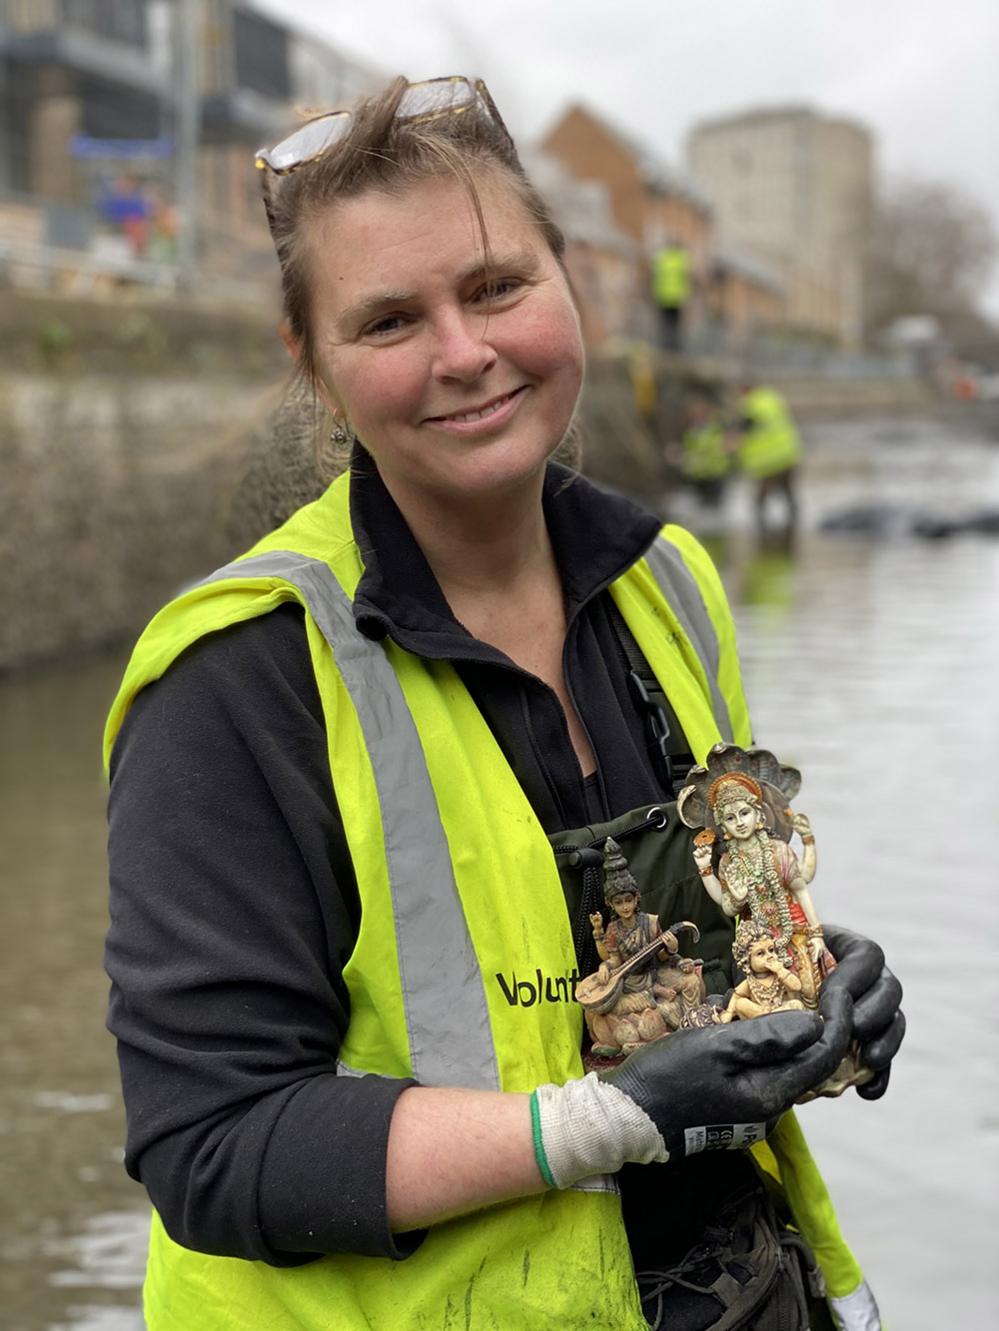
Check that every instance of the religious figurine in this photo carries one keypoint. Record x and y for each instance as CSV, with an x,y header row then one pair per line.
x,y
679,990
745,796
619,1001
769,986
753,874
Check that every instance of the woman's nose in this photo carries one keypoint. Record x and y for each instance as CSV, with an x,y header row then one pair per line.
x,y
462,349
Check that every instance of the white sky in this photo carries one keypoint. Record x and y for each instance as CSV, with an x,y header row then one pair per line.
x,y
923,74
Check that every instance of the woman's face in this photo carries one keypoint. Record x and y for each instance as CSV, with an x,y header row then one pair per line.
x,y
458,380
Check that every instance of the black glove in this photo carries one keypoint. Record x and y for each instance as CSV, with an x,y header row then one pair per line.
x,y
748,1072
878,1023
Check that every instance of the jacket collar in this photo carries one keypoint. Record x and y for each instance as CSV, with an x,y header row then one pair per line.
x,y
596,534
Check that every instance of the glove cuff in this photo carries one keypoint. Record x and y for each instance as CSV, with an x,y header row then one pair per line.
x,y
857,1311
589,1127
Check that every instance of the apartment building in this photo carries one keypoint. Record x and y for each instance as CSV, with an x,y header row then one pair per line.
x,y
794,188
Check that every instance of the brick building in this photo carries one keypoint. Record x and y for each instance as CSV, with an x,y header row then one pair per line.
x,y
653,206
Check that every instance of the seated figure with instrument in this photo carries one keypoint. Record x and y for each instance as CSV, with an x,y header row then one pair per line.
x,y
622,1010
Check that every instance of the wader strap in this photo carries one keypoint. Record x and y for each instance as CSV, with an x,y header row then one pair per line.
x,y
680,589
447,1018
667,744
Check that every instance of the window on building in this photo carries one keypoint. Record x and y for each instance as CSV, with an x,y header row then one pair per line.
x,y
116,20
261,56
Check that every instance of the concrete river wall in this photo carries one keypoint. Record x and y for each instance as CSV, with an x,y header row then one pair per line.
x,y
142,445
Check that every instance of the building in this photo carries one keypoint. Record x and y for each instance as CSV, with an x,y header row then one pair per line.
x,y
605,265
95,101
745,300
649,202
654,205
794,188
256,76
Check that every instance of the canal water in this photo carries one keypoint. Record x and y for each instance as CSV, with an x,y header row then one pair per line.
x,y
870,660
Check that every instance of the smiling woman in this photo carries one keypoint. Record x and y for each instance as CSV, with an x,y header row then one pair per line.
x,y
341,948
458,370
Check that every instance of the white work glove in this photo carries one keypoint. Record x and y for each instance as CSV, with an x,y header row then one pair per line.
x,y
856,1311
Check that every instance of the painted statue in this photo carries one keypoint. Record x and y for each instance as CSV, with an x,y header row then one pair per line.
x,y
637,957
741,800
769,986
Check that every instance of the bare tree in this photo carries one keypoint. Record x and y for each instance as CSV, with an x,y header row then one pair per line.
x,y
932,248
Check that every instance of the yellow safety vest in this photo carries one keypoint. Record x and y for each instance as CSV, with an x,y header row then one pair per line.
x,y
671,277
771,444
704,455
439,831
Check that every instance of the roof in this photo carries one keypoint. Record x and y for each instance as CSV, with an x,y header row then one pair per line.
x,y
761,115
582,208
651,166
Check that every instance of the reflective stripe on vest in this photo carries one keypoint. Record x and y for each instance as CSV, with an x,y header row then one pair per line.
x,y
678,585
445,1006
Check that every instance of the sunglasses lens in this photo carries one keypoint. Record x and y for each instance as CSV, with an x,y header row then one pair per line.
x,y
309,141
435,97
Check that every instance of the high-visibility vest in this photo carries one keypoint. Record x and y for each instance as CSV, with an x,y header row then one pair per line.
x,y
704,455
439,832
771,444
671,277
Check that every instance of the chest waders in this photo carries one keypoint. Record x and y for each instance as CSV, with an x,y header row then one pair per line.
x,y
464,965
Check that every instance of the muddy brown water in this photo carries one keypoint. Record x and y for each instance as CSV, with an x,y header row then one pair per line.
x,y
871,661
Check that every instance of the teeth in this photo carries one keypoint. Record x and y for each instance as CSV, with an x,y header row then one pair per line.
x,y
480,415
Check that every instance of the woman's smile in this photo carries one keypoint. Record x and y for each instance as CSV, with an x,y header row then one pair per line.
x,y
481,420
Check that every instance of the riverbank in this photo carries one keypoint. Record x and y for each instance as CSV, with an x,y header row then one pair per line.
x,y
143,444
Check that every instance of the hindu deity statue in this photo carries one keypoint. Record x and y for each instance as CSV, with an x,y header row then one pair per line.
x,y
620,1000
741,800
769,986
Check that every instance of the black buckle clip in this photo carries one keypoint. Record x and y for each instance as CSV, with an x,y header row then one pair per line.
x,y
658,723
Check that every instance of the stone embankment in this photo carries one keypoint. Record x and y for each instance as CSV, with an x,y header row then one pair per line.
x,y
143,444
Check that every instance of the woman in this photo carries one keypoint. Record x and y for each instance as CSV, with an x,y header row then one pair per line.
x,y
337,922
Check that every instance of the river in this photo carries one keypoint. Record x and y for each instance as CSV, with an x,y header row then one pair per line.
x,y
870,661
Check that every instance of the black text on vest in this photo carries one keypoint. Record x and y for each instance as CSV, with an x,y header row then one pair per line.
x,y
540,988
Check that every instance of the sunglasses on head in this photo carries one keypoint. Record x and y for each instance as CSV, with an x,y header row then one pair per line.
x,y
430,99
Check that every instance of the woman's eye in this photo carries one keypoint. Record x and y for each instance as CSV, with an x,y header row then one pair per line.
x,y
497,289
385,326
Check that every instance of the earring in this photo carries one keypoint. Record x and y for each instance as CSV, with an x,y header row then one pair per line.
x,y
339,434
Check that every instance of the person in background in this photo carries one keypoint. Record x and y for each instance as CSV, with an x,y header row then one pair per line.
x,y
340,768
706,459
672,283
769,450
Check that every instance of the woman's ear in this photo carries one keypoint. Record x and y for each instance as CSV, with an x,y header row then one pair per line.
x,y
294,349
289,339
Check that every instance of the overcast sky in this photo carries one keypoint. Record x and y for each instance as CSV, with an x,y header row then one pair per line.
x,y
923,74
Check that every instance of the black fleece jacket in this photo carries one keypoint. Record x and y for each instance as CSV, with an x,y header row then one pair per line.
x,y
233,902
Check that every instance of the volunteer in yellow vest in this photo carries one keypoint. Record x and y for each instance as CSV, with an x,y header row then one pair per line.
x,y
345,770
770,450
671,288
706,459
